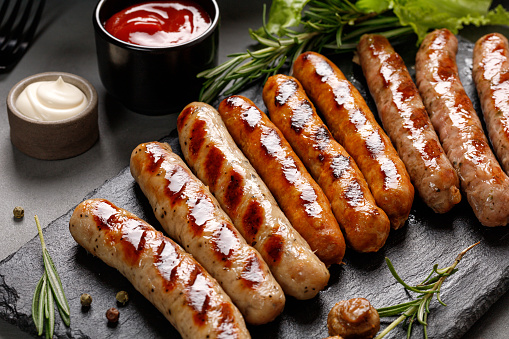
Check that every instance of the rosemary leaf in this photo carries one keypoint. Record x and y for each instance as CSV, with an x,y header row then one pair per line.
x,y
49,313
396,276
38,305
48,291
420,307
420,313
55,283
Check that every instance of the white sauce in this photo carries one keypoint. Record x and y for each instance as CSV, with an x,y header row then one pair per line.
x,y
51,100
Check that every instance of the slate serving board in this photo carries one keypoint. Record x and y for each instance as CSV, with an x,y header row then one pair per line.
x,y
427,239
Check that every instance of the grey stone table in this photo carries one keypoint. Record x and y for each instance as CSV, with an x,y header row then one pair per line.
x,y
51,188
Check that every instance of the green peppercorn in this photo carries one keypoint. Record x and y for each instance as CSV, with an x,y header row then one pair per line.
x,y
86,300
122,297
19,212
112,315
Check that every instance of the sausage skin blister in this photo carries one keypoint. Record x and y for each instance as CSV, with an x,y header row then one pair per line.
x,y
192,217
298,270
491,76
365,226
354,126
482,179
171,279
406,121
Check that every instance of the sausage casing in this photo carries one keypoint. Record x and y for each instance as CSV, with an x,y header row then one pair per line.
x,y
214,156
158,268
365,226
191,216
296,267
406,121
353,125
482,179
491,76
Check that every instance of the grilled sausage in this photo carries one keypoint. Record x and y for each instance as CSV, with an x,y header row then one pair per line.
x,y
215,158
191,216
353,125
161,270
365,225
491,76
482,179
406,121
309,265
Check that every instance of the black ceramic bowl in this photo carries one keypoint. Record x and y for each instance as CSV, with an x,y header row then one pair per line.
x,y
153,80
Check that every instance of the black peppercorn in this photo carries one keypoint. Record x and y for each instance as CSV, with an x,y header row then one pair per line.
x,y
112,315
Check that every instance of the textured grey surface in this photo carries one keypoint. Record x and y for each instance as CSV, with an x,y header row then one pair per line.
x,y
50,189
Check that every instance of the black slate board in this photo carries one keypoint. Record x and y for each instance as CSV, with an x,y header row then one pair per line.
x,y
426,240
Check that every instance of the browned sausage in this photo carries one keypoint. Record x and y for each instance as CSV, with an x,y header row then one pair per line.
x,y
365,225
459,128
407,123
215,158
353,125
191,216
158,268
491,75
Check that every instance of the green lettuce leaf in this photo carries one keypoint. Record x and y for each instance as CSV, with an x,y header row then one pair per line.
x,y
377,6
284,14
451,14
421,15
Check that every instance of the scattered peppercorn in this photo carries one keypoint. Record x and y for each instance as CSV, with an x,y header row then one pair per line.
x,y
86,299
112,315
122,297
19,212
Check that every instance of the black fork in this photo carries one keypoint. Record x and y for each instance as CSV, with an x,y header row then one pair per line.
x,y
18,23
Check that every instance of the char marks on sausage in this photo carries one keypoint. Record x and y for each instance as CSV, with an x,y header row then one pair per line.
x,y
491,76
248,201
482,179
365,226
353,125
406,121
191,215
159,269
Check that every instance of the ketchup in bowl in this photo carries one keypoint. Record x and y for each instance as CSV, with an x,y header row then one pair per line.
x,y
159,23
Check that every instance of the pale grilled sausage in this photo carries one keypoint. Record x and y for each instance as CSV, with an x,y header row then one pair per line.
x,y
159,269
406,121
365,226
353,125
482,179
491,76
191,216
215,158
299,271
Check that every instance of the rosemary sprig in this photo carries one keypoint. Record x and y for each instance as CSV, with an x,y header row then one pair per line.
x,y
48,292
419,308
326,24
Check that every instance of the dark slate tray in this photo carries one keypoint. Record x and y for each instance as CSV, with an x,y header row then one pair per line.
x,y
426,240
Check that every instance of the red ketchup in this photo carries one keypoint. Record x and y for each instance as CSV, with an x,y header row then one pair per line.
x,y
159,23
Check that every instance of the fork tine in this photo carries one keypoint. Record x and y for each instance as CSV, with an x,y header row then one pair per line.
x,y
18,39
7,26
18,30
27,37
3,10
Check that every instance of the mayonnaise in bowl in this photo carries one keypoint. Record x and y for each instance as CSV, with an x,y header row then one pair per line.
x,y
51,100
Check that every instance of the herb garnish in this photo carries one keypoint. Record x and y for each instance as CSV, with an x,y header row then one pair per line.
x,y
48,290
337,25
419,308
